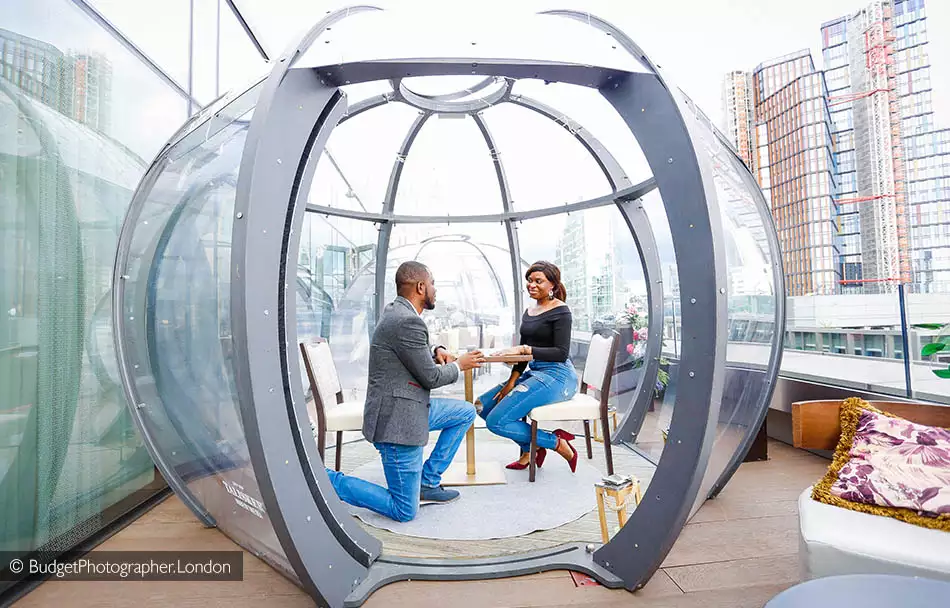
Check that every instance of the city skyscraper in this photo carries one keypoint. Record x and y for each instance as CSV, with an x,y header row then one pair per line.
x,y
795,167
892,162
890,184
77,85
737,100
858,51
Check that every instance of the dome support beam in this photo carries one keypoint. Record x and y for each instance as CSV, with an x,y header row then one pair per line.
x,y
626,194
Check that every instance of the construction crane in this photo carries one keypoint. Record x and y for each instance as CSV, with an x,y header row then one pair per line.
x,y
888,252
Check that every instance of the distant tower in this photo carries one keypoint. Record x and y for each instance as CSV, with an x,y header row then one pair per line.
x,y
739,111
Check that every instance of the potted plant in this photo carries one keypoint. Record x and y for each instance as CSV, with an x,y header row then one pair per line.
x,y
941,342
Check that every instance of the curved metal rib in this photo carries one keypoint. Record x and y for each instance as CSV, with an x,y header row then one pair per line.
x,y
386,226
367,104
639,224
514,248
626,194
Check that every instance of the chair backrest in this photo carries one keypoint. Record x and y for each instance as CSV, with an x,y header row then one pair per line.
x,y
599,361
321,371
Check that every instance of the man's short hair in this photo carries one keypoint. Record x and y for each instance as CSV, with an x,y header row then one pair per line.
x,y
409,274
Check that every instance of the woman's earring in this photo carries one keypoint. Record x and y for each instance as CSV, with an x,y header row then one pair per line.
x,y
551,295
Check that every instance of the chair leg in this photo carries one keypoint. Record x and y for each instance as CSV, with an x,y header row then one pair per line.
x,y
607,450
339,448
534,450
321,443
590,451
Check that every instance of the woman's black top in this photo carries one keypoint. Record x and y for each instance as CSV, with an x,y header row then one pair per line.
x,y
548,334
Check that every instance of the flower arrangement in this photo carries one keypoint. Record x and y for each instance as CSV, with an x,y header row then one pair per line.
x,y
637,319
634,316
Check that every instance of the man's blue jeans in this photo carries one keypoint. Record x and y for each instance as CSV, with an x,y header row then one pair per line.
x,y
402,464
544,382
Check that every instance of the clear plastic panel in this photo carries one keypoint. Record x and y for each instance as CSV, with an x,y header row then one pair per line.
x,y
364,150
448,171
438,31
650,439
588,109
545,165
752,292
336,290
177,332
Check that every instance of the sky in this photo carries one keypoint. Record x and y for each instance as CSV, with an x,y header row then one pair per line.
x,y
695,41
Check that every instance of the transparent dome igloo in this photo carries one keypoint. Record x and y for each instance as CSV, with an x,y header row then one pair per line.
x,y
279,214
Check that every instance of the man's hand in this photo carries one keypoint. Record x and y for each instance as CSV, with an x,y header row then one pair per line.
x,y
443,357
471,360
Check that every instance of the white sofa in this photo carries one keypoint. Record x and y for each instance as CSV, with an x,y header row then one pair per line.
x,y
835,541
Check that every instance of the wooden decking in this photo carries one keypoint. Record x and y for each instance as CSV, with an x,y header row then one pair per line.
x,y
739,551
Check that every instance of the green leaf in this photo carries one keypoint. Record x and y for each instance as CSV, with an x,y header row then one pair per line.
x,y
928,325
932,348
942,373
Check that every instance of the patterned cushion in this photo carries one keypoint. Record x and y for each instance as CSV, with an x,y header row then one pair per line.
x,y
889,466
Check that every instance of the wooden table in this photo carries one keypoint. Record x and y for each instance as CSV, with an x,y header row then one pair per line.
x,y
487,472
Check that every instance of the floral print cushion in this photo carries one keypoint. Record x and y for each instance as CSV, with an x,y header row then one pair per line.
x,y
889,466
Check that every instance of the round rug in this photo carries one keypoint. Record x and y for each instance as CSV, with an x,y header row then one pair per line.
x,y
556,497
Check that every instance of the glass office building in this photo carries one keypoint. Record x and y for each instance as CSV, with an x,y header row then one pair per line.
x,y
796,165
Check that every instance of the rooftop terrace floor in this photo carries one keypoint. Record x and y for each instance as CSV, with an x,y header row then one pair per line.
x,y
739,551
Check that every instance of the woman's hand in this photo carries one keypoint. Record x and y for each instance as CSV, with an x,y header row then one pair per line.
x,y
514,350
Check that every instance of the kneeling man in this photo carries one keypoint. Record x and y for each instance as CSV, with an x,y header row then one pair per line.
x,y
399,414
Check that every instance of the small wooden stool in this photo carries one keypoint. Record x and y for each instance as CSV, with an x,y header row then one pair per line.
x,y
597,436
620,495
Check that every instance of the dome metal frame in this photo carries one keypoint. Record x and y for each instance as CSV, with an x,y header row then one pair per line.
x,y
333,558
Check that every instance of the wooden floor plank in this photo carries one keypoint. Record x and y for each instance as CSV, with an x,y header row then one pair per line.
x,y
735,574
739,539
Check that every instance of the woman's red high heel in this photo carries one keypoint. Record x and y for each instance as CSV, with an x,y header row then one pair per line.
x,y
516,466
539,457
563,437
538,461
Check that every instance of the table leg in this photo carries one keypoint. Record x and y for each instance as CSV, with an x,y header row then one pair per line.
x,y
470,451
470,435
489,473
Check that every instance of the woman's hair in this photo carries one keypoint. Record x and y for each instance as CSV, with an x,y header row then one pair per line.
x,y
553,274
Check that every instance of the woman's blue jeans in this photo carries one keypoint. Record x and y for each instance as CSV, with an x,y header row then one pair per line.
x,y
541,384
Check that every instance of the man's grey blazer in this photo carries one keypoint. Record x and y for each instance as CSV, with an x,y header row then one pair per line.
x,y
402,371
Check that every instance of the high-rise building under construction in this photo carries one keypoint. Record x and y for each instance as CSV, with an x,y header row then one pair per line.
x,y
891,166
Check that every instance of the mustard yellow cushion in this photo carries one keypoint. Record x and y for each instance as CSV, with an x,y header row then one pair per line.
x,y
886,465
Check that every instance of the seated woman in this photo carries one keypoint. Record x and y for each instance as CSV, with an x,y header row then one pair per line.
x,y
549,378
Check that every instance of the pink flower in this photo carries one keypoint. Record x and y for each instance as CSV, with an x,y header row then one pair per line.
x,y
642,334
629,349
